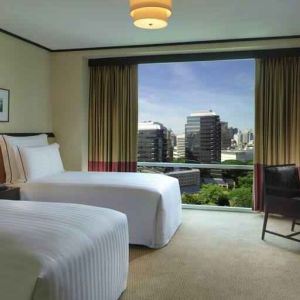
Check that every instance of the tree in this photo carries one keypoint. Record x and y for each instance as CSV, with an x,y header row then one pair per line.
x,y
179,160
246,181
214,194
241,197
195,198
233,162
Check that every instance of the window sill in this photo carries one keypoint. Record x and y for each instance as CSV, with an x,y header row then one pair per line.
x,y
217,208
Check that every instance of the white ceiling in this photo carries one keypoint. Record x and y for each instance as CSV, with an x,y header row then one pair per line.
x,y
65,24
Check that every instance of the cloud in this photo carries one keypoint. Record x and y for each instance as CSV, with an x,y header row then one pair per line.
x,y
170,92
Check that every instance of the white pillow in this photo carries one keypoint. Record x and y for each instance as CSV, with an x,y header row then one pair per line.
x,y
38,162
8,143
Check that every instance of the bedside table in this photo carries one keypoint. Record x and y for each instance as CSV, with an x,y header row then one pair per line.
x,y
11,193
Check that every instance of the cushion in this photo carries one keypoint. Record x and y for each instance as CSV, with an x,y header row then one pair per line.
x,y
38,162
8,143
282,176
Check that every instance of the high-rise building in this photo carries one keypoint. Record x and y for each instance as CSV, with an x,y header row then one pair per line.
x,y
180,142
248,136
244,138
238,137
227,135
154,142
203,137
171,143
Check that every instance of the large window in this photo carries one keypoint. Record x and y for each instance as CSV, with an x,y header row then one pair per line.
x,y
199,113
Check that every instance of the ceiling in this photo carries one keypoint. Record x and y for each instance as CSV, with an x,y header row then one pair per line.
x,y
67,24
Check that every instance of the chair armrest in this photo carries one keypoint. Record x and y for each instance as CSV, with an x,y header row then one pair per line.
x,y
282,192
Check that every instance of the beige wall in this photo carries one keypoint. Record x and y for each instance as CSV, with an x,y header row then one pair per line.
x,y
49,91
69,93
25,71
70,88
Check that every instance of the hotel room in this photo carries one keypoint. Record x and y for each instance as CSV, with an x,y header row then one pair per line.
x,y
126,170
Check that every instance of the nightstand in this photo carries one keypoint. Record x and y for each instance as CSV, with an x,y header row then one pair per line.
x,y
11,193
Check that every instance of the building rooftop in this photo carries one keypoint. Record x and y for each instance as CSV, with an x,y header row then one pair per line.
x,y
203,113
149,125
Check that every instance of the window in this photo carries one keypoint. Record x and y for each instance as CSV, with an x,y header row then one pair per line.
x,y
201,113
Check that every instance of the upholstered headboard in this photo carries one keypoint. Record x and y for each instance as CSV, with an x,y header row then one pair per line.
x,y
2,170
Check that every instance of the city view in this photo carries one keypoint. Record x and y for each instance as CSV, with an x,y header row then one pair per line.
x,y
199,113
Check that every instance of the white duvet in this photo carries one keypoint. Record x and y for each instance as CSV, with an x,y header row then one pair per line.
x,y
152,202
52,251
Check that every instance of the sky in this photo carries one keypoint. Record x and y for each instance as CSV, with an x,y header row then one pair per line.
x,y
169,92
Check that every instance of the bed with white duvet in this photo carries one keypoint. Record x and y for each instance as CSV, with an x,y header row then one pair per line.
x,y
151,202
57,251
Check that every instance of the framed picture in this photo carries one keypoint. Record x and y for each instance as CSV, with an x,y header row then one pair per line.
x,y
4,105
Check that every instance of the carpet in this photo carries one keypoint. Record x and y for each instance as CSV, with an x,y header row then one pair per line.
x,y
218,255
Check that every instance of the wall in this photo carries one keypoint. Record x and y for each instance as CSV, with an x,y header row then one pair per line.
x,y
69,93
49,91
70,88
25,71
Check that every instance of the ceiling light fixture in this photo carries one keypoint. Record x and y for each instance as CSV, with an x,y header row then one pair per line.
x,y
149,14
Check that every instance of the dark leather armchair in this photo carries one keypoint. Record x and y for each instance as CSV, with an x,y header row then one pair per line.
x,y
282,196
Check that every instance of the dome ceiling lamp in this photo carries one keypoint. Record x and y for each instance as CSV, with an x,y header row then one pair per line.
x,y
150,14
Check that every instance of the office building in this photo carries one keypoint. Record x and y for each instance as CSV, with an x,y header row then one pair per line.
x,y
180,142
203,137
154,142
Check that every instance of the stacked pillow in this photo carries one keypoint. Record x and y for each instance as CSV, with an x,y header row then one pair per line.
x,y
28,158
38,162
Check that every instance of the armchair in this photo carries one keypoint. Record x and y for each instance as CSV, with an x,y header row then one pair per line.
x,y
282,196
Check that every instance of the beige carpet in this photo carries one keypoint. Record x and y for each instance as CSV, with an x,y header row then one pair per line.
x,y
217,255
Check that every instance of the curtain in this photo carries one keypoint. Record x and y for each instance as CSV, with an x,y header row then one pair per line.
x,y
277,117
113,118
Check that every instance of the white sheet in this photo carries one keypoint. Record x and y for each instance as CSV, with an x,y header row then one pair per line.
x,y
56,251
152,202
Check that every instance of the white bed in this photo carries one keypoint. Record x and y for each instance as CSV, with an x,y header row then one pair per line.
x,y
152,202
61,252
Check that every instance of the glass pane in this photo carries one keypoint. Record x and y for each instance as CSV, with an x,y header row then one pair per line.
x,y
200,113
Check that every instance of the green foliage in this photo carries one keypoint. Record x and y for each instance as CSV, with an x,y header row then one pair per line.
x,y
245,181
233,162
195,198
237,162
241,197
234,174
213,193
179,160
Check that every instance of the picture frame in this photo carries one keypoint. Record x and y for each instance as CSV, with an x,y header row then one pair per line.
x,y
4,105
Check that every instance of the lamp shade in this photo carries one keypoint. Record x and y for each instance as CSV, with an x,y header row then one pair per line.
x,y
149,14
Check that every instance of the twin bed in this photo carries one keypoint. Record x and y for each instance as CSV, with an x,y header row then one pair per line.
x,y
81,236
151,202
56,251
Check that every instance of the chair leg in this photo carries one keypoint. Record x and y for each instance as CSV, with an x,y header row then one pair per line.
x,y
265,225
293,225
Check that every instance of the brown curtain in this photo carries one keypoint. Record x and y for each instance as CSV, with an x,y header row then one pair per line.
x,y
277,117
113,118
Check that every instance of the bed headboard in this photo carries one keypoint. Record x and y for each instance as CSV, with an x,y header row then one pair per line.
x,y
2,170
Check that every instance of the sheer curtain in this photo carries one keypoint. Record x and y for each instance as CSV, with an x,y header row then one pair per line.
x,y
113,118
277,117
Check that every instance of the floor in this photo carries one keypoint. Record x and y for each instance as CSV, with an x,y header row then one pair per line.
x,y
218,255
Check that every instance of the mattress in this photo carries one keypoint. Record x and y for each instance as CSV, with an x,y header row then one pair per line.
x,y
152,202
52,251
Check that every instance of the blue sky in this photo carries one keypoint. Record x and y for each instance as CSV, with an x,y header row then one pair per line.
x,y
169,92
